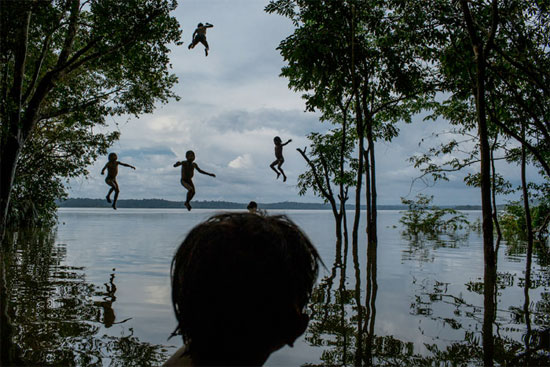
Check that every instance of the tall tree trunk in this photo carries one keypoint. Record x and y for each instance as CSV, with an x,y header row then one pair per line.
x,y
372,236
494,200
487,212
480,53
9,153
360,136
11,136
529,229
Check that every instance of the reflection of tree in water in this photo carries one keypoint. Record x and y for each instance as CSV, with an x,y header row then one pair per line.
x,y
53,313
343,320
422,246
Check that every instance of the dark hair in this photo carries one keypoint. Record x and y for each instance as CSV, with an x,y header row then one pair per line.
x,y
241,278
188,153
112,157
252,205
277,139
200,25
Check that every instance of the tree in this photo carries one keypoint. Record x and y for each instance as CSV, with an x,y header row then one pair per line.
x,y
78,61
55,152
330,164
353,49
492,60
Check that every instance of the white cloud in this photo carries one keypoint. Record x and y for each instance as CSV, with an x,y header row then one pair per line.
x,y
242,161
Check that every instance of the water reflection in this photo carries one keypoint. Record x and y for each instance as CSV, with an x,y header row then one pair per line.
x,y
481,320
57,316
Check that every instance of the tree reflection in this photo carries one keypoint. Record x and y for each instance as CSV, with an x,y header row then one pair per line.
x,y
53,314
344,315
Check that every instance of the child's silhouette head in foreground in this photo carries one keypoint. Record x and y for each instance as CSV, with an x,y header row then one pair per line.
x,y
112,157
240,283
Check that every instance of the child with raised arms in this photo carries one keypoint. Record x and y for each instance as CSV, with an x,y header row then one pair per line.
x,y
112,170
279,160
187,171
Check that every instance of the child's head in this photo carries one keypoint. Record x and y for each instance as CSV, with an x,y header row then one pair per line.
x,y
112,157
277,140
200,25
190,155
252,206
240,283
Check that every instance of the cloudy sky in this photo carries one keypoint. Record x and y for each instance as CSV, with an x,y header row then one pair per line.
x,y
233,103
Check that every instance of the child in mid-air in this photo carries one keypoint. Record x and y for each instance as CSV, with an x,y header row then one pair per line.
x,y
199,35
112,171
279,157
187,171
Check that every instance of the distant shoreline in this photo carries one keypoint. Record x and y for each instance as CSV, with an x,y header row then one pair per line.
x,y
167,204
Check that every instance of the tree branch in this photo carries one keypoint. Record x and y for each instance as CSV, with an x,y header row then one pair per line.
x,y
318,181
71,33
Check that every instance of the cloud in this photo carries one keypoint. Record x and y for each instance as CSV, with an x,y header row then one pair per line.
x,y
242,161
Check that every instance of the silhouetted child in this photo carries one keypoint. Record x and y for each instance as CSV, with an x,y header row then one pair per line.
x,y
252,207
240,286
199,35
187,172
279,157
112,171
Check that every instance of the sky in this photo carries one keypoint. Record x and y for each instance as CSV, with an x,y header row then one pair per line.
x,y
232,104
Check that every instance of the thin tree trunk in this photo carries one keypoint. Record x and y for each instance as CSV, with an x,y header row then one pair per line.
x,y
480,53
529,229
9,151
12,134
372,225
360,137
493,194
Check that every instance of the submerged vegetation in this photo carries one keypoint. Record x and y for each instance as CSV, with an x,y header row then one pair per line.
x,y
423,218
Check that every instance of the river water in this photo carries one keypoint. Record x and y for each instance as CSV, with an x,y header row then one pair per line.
x,y
98,293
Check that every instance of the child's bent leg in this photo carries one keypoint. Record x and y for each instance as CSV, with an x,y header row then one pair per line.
x,y
109,182
190,193
281,169
117,190
205,43
272,165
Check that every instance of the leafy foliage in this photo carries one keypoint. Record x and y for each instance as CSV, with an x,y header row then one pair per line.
x,y
66,66
55,152
326,152
423,218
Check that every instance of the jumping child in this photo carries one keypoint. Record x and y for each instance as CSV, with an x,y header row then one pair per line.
x,y
199,35
187,171
112,171
279,157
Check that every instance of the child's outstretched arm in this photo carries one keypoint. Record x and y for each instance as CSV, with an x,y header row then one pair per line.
x,y
204,172
289,140
126,165
177,164
208,25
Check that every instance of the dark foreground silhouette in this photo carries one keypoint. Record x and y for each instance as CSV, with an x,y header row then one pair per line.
x,y
240,283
